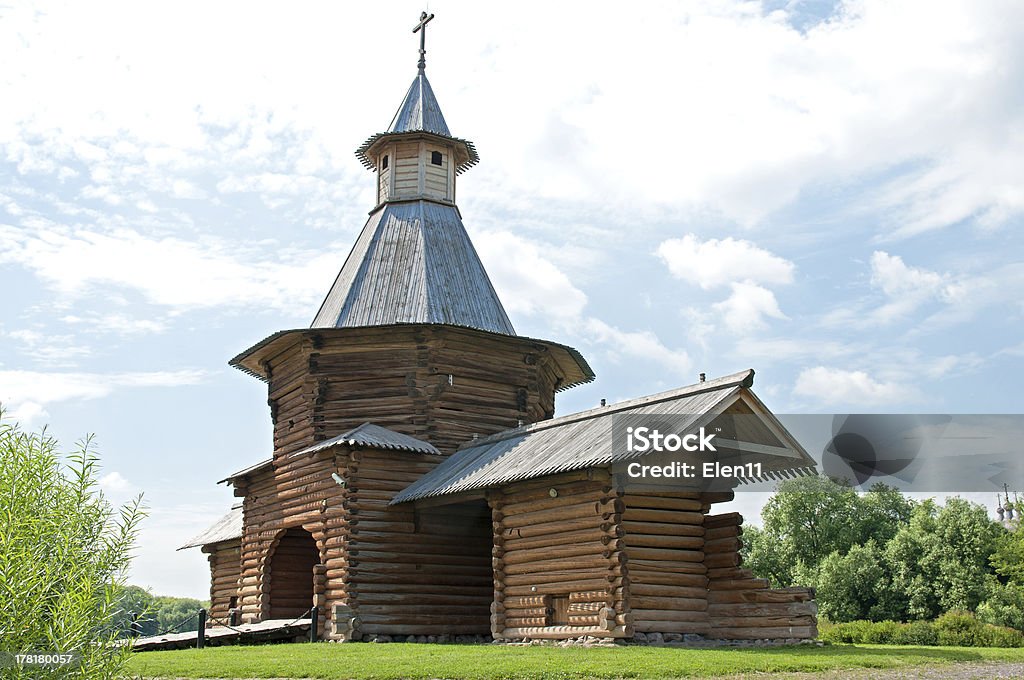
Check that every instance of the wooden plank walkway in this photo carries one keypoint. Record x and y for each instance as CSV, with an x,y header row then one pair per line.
x,y
274,630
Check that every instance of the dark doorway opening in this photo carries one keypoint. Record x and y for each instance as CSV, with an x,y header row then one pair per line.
x,y
291,574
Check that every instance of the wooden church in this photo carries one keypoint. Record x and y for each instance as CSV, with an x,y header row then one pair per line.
x,y
420,483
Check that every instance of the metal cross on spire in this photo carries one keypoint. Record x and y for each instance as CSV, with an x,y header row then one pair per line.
x,y
421,28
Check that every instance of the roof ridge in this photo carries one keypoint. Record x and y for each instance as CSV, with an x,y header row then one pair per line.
x,y
744,378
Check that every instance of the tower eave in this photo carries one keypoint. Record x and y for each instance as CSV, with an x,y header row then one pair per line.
x,y
253,361
466,153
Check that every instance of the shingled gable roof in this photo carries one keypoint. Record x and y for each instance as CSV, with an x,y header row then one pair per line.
x,y
579,441
227,528
367,435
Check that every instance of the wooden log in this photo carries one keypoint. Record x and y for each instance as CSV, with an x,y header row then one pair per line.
x,y
662,541
663,578
723,520
719,560
589,596
761,596
530,612
649,590
689,616
517,622
661,567
660,529
662,503
557,585
562,632
587,509
758,609
561,564
559,527
740,584
722,545
730,531
587,535
694,604
674,517
665,555
529,601
594,549
729,574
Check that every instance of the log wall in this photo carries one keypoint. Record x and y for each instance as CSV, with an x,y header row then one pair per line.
x,y
225,568
412,570
558,560
664,539
439,384
741,607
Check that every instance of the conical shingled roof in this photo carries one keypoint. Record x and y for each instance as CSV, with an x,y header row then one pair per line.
x,y
419,111
413,263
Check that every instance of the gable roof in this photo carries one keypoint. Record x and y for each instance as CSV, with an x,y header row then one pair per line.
x,y
374,437
227,528
578,441
367,435
413,263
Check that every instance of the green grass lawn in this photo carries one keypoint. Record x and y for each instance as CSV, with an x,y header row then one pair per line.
x,y
399,660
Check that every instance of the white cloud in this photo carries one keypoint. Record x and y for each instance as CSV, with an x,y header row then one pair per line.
x,y
907,288
117,323
746,308
168,271
721,262
527,281
739,264
27,393
759,109
643,345
113,483
834,386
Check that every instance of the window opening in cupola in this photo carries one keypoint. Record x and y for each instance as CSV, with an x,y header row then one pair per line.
x,y
384,162
435,157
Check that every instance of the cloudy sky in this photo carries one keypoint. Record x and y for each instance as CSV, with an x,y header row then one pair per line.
x,y
830,193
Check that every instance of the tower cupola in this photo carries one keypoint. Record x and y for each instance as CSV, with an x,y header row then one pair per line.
x,y
417,158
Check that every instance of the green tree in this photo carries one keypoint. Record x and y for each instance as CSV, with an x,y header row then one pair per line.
x,y
853,586
1008,557
940,559
810,518
63,554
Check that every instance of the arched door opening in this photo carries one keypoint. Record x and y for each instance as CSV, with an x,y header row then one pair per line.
x,y
291,574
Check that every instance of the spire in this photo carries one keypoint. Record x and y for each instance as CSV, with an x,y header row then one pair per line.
x,y
419,112
413,261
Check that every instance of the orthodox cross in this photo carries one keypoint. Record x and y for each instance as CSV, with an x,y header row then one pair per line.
x,y
421,28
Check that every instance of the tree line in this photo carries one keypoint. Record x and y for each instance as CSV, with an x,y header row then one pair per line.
x,y
880,555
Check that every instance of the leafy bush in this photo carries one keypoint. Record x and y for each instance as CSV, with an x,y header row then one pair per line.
x,y
63,554
883,633
1004,606
959,629
916,633
954,629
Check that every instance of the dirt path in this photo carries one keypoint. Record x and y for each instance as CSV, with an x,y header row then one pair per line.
x,y
947,671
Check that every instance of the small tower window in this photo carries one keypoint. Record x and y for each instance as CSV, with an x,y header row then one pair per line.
x,y
436,157
384,162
